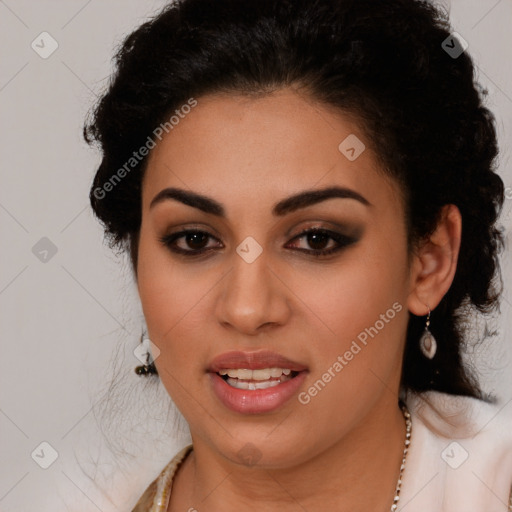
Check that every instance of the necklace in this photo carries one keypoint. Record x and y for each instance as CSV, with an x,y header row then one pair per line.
x,y
408,428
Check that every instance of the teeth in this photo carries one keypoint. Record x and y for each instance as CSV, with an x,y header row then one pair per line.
x,y
240,374
240,384
263,374
244,378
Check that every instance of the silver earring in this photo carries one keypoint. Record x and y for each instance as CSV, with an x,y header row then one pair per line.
x,y
143,353
428,344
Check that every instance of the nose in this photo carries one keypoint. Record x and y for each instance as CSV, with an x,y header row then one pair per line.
x,y
252,297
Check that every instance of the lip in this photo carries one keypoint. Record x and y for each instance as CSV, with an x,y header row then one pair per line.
x,y
253,361
256,401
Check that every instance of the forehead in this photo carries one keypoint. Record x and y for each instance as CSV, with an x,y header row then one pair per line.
x,y
270,145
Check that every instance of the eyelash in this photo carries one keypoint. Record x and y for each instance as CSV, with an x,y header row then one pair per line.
x,y
343,241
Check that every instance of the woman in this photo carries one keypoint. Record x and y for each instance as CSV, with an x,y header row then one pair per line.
x,y
308,196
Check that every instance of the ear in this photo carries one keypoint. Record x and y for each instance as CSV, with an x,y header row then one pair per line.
x,y
435,262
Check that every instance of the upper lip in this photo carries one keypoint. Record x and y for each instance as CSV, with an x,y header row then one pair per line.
x,y
253,361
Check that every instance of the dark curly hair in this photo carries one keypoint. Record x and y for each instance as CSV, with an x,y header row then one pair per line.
x,y
387,64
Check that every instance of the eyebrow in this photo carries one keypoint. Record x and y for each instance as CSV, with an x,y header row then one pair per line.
x,y
288,205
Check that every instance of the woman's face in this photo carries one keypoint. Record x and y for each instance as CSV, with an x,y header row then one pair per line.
x,y
250,174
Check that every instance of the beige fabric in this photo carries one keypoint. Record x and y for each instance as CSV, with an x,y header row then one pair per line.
x,y
156,496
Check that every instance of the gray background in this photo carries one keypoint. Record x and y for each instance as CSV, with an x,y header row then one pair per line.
x,y
70,320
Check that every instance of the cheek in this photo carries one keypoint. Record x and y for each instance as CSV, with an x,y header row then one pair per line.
x,y
351,296
174,315
363,317
169,294
177,303
173,308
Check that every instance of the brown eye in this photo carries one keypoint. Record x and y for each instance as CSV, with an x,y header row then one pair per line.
x,y
196,240
323,242
318,240
189,242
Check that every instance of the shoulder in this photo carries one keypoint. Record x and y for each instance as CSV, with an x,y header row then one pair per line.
x,y
460,456
459,417
155,497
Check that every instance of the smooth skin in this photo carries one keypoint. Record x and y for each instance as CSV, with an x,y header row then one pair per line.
x,y
342,450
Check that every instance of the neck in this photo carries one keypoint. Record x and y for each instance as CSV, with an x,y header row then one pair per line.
x,y
359,472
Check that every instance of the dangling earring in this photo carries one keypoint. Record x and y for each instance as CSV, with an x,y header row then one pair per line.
x,y
428,344
143,353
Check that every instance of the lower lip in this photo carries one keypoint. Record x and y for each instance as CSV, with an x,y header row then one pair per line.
x,y
255,401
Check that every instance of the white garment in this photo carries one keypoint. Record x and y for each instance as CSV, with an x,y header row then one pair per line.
x,y
460,458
